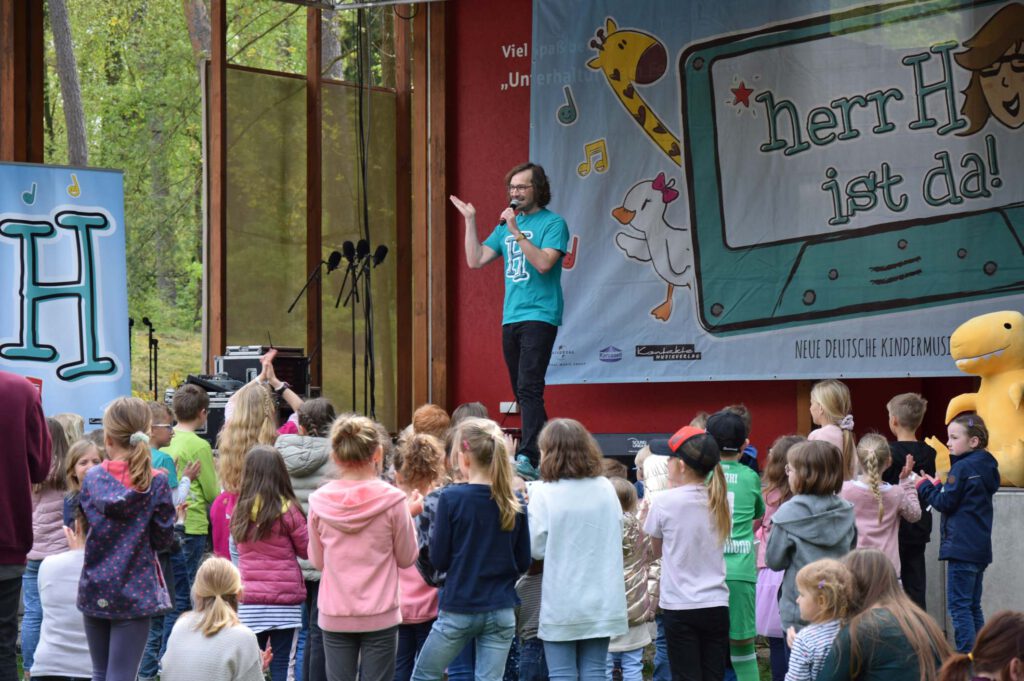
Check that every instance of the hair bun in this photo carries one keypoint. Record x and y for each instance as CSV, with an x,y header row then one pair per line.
x,y
137,437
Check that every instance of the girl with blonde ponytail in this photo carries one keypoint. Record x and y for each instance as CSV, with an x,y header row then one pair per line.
x,y
689,524
210,642
832,410
878,506
480,537
130,517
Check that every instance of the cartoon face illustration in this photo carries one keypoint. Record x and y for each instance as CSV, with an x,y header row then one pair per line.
x,y
995,57
1003,83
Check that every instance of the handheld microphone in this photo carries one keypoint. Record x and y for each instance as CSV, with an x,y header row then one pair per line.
x,y
362,249
349,249
513,204
380,254
333,260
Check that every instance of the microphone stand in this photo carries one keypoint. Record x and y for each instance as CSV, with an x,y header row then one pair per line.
x,y
354,266
315,274
156,379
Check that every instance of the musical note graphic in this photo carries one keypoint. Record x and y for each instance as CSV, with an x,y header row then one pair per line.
x,y
598,148
74,190
567,112
28,198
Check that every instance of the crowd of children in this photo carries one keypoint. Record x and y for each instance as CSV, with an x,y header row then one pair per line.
x,y
318,549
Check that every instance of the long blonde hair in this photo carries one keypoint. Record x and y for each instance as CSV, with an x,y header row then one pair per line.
x,y
215,595
873,456
251,424
126,422
834,398
484,442
76,452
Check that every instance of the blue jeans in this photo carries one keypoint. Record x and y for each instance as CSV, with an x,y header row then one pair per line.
x,y
631,662
779,658
527,349
571,660
155,644
33,618
194,548
963,594
411,638
532,665
662,672
463,667
281,644
452,630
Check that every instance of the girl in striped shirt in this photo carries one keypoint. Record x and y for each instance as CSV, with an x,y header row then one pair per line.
x,y
824,597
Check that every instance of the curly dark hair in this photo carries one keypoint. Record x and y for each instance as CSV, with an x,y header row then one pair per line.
x,y
541,187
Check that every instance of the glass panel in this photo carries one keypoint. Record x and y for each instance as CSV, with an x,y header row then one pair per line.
x,y
266,208
342,221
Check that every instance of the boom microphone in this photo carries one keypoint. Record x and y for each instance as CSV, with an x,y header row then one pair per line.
x,y
333,260
380,254
513,204
362,249
349,249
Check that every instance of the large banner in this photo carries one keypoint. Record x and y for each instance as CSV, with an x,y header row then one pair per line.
x,y
63,290
779,189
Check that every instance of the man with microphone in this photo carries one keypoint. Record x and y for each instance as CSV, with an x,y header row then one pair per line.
x,y
531,240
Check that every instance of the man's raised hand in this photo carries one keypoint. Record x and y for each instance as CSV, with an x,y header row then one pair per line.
x,y
467,209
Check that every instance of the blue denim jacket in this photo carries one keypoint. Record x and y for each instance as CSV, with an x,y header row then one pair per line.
x,y
965,502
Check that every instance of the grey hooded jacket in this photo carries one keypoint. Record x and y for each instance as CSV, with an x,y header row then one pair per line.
x,y
309,464
805,529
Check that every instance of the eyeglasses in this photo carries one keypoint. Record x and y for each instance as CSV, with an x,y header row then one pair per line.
x,y
519,187
169,426
1016,62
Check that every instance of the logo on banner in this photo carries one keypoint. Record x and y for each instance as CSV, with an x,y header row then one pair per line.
x,y
668,353
609,354
564,356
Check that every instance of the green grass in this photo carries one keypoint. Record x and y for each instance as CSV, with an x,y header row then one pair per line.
x,y
180,354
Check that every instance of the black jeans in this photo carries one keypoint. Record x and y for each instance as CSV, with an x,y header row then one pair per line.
x,y
698,643
10,596
527,348
913,572
314,666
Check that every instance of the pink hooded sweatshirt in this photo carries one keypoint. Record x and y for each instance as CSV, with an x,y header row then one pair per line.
x,y
360,534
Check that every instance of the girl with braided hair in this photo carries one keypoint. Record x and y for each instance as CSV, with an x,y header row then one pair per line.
x,y
878,506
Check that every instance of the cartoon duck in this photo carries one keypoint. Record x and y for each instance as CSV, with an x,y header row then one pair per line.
x,y
654,240
992,346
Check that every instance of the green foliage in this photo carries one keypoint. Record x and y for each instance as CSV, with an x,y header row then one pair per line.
x,y
140,89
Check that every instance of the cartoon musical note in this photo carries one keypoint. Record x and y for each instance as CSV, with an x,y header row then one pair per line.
x,y
29,197
567,112
74,190
598,148
570,258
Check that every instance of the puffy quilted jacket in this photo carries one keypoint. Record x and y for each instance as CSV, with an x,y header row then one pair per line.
x,y
270,571
309,464
636,561
47,524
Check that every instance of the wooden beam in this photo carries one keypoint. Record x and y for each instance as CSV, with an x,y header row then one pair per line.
x,y
21,80
438,209
314,193
216,266
803,407
420,353
403,214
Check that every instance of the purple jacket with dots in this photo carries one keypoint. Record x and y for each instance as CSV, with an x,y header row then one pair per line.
x,y
121,578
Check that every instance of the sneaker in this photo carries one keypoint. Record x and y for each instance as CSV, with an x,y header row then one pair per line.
x,y
525,469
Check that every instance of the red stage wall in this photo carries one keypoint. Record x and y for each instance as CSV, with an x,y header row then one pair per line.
x,y
488,133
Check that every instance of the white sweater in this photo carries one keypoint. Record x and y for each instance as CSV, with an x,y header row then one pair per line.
x,y
576,528
231,654
63,649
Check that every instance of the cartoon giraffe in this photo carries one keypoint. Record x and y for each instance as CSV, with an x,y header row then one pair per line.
x,y
630,58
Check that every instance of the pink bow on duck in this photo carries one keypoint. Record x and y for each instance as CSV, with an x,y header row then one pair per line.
x,y
667,189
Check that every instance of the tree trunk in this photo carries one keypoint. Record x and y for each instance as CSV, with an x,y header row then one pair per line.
x,y
330,47
198,19
67,71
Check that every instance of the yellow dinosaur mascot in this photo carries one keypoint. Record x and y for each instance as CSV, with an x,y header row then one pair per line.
x,y
992,346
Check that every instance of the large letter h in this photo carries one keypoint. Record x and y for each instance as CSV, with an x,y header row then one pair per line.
x,y
83,289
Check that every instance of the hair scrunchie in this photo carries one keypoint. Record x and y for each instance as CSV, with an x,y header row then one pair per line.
x,y
847,422
137,437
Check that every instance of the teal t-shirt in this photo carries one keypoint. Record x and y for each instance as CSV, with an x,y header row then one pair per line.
x,y
165,463
529,295
747,504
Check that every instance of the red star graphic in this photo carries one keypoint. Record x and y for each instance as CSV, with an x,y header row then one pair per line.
x,y
742,95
